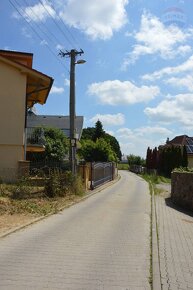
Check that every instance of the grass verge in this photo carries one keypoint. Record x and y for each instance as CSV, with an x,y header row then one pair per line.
x,y
123,166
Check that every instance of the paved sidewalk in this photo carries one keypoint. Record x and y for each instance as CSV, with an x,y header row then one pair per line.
x,y
175,227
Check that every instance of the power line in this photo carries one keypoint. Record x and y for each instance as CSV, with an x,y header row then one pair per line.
x,y
42,24
58,26
66,28
35,31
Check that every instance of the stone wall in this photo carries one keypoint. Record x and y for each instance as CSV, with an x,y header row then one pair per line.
x,y
182,189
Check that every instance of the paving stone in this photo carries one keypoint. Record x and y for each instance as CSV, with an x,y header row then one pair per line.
x,y
175,245
102,243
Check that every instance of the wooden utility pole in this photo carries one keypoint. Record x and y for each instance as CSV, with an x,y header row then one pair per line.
x,y
72,106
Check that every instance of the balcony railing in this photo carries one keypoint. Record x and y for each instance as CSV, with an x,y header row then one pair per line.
x,y
35,140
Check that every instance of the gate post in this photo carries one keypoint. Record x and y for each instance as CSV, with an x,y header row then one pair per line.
x,y
91,176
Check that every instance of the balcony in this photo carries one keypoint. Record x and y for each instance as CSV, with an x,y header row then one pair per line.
x,y
35,140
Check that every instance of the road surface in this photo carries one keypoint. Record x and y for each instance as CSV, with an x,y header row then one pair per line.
x,y
100,243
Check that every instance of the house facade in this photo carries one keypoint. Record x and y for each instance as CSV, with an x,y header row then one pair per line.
x,y
55,121
182,140
21,88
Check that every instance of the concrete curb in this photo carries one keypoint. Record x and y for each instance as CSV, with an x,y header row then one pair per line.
x,y
156,273
88,194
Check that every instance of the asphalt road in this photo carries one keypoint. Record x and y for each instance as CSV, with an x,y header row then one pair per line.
x,y
100,243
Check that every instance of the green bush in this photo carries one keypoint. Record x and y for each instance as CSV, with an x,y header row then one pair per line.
x,y
63,183
52,184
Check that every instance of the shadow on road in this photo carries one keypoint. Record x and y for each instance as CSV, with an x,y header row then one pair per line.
x,y
181,209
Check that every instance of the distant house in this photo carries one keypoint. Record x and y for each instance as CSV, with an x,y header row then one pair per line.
x,y
21,88
55,121
181,141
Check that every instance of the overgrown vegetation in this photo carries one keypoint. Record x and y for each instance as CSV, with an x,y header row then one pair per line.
x,y
59,190
62,184
153,180
97,145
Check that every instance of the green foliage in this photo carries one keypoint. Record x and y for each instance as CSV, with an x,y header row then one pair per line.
x,y
56,145
99,132
114,144
166,159
152,178
96,151
52,185
63,183
88,133
123,166
97,145
135,160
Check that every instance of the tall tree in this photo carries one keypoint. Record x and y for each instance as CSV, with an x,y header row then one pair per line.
x,y
99,132
88,133
96,133
96,151
154,158
114,144
135,160
184,157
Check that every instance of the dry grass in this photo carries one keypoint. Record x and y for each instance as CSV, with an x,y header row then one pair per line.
x,y
22,203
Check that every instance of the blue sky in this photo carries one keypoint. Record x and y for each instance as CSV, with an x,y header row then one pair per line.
x,y
138,75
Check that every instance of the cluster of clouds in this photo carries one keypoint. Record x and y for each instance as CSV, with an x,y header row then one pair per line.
x,y
185,67
131,139
174,108
153,38
118,92
91,17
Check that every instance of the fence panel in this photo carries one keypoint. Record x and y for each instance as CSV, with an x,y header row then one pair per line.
x,y
101,172
47,166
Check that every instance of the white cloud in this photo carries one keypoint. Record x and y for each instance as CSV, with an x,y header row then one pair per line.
x,y
56,90
109,119
173,70
176,110
153,131
131,140
98,19
183,82
143,131
120,93
155,38
37,12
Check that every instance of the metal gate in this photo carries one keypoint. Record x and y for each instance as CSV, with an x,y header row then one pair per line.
x,y
101,172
